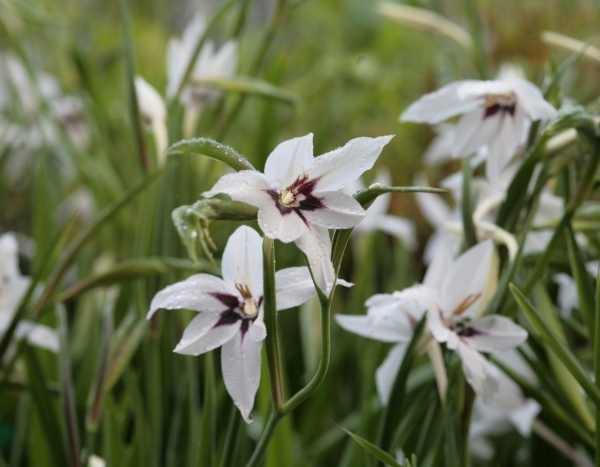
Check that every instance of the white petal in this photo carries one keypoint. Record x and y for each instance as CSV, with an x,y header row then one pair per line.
x,y
568,298
441,147
469,276
192,294
151,103
336,169
495,333
524,416
242,261
438,269
533,101
381,328
316,245
446,102
398,227
472,131
203,334
294,286
340,211
240,365
38,335
434,208
289,160
439,330
248,186
385,376
477,372
284,227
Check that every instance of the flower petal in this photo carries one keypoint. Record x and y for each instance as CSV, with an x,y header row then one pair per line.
x,y
446,102
477,372
533,101
240,365
340,167
316,245
294,286
284,227
495,333
248,186
151,103
205,333
385,376
242,261
194,293
339,211
471,275
523,417
38,335
289,160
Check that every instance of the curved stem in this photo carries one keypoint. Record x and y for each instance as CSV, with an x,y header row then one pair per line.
x,y
264,439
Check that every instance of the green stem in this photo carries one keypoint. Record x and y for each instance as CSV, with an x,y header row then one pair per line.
x,y
259,450
272,339
467,206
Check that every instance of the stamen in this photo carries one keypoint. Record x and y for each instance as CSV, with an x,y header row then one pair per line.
x,y
248,308
495,103
465,304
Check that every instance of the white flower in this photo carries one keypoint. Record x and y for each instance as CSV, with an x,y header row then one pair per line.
x,y
392,318
299,197
495,114
377,217
212,63
154,113
469,281
568,298
13,286
231,312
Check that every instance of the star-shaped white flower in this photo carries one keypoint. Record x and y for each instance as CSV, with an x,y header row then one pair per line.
x,y
154,113
299,197
495,115
231,312
13,286
469,281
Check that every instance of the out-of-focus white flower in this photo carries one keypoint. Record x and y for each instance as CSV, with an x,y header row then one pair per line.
x,y
154,113
299,197
521,412
495,114
212,63
96,461
377,217
231,312
568,298
13,286
468,283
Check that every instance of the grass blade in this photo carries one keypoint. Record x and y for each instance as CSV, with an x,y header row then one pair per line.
x,y
250,86
555,345
373,450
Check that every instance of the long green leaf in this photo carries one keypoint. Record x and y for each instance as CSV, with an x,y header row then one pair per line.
x,y
373,449
555,345
46,409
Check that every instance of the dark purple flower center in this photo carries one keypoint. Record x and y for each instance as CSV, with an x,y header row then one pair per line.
x,y
297,197
245,310
500,103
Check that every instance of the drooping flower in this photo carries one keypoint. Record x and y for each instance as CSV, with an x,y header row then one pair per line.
x,y
495,115
377,217
299,197
13,286
455,318
230,312
568,298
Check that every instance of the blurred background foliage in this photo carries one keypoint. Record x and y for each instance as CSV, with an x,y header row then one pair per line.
x,y
353,72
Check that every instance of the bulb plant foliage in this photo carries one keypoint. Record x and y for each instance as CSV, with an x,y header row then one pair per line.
x,y
324,314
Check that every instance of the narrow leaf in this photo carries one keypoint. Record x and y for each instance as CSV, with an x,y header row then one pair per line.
x,y
250,86
372,449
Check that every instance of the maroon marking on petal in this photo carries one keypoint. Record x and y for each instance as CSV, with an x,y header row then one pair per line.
x,y
493,109
228,317
469,332
244,327
283,210
311,203
230,301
